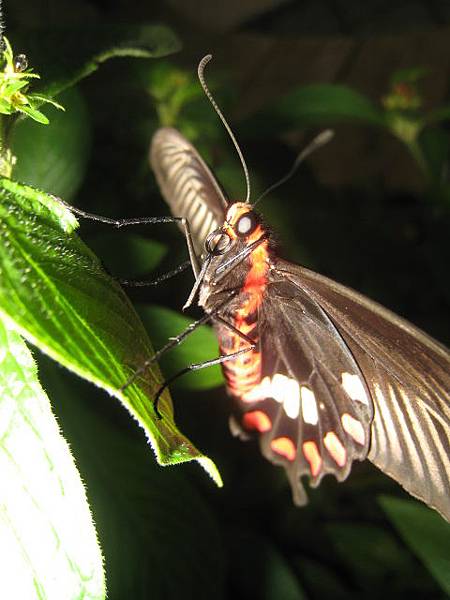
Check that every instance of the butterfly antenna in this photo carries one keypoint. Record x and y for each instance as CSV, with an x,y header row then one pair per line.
x,y
201,67
320,140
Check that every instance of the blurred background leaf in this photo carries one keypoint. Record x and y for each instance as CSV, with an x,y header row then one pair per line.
x,y
425,533
198,347
55,157
126,254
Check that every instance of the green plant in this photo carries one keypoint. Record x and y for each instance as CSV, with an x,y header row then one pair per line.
x,y
401,113
56,295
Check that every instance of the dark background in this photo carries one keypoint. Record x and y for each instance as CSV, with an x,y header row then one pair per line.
x,y
361,211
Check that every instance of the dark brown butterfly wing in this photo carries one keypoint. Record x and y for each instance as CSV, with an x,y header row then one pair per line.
x,y
408,375
312,397
187,184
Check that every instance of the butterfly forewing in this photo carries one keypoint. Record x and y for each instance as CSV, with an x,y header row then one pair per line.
x,y
187,184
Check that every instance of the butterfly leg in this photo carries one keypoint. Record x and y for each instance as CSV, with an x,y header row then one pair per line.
x,y
182,336
142,221
158,280
207,363
196,367
168,346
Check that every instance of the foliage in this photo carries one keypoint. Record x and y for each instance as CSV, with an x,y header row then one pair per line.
x,y
54,292
400,113
14,82
170,533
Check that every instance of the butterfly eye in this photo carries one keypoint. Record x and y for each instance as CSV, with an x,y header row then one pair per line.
x,y
246,224
217,242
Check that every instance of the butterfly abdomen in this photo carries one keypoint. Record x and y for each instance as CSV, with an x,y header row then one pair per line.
x,y
243,372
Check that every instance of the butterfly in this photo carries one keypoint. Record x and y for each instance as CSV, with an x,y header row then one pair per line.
x,y
323,375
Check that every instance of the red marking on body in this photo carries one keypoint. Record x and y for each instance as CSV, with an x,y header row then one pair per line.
x,y
335,448
284,446
244,372
313,457
257,419
354,428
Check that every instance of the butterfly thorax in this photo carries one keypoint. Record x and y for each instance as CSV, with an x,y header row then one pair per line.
x,y
240,273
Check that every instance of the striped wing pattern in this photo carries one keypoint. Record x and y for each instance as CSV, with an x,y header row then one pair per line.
x,y
187,184
408,375
411,441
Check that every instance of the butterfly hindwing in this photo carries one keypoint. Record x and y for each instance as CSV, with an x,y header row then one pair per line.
x,y
312,391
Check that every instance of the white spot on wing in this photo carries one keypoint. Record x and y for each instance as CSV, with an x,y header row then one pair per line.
x,y
354,387
282,389
354,428
279,387
292,398
309,406
259,392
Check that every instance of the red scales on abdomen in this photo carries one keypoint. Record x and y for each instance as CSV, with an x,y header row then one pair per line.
x,y
243,372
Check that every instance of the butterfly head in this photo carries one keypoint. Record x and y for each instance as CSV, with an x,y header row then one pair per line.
x,y
237,252
242,227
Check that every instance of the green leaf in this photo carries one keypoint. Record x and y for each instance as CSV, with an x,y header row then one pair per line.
x,y
42,497
5,107
378,554
317,105
34,113
326,104
162,324
435,147
98,45
158,536
265,574
130,257
16,86
409,75
46,100
321,579
425,532
440,114
171,90
55,291
54,157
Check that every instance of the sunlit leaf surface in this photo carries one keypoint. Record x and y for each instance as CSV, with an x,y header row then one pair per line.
x,y
48,544
59,297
